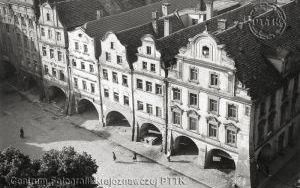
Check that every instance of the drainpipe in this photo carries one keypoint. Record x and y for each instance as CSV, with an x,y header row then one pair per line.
x,y
133,106
69,109
100,91
166,113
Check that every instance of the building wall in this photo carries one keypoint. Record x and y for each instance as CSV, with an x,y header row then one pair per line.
x,y
111,45
204,56
53,40
19,39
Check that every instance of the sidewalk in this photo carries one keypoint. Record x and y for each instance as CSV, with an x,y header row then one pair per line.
x,y
209,177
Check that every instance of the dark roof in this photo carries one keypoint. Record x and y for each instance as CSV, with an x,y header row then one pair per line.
x,y
77,12
253,69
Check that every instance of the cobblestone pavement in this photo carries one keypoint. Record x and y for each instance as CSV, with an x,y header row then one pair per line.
x,y
45,130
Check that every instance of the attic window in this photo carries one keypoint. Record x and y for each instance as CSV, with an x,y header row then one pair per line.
x,y
80,35
205,51
112,46
48,17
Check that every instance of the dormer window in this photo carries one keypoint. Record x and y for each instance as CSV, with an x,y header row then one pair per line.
x,y
112,46
48,17
205,51
148,50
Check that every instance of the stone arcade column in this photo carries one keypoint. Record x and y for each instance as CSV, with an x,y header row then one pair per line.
x,y
202,156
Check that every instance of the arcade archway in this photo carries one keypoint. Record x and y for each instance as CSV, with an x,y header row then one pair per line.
x,y
150,134
87,109
57,96
115,118
184,146
219,159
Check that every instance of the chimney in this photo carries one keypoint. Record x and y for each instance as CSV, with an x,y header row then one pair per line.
x,y
100,14
209,9
222,24
165,13
154,21
165,7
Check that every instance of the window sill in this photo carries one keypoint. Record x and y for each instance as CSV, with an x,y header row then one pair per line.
x,y
196,107
125,85
176,101
214,87
214,113
232,119
231,145
194,81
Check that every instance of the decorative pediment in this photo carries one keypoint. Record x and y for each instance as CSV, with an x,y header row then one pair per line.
x,y
176,108
193,113
212,119
232,126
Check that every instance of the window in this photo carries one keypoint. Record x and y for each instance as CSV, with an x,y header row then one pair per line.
x,y
106,93
84,85
119,59
139,84
247,110
92,88
76,83
148,50
213,106
43,32
149,109
193,74
51,53
115,77
262,109
261,130
25,41
285,91
105,74
271,123
61,75
58,36
152,67
158,89
144,65
59,55
107,57
273,101
116,96
176,94
176,118
16,19
7,27
18,38
124,80
205,51
193,123
76,46
158,112
149,86
44,51
30,23
140,105
82,66
232,111
212,130
54,72
91,68
193,99
85,48
74,63
48,17
112,45
33,45
194,21
126,100
46,70
231,137
214,79
49,34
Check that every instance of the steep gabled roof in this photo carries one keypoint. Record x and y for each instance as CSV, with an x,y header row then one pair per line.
x,y
77,12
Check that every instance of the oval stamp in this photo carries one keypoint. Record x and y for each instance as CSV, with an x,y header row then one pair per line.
x,y
267,20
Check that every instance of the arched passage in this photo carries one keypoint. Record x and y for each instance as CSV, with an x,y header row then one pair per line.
x,y
57,96
150,134
87,109
115,118
264,158
184,146
9,70
219,159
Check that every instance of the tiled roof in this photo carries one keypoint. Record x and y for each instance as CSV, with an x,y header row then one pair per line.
x,y
77,12
258,74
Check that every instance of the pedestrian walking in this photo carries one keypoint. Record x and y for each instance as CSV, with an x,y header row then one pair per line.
x,y
134,156
21,132
114,156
